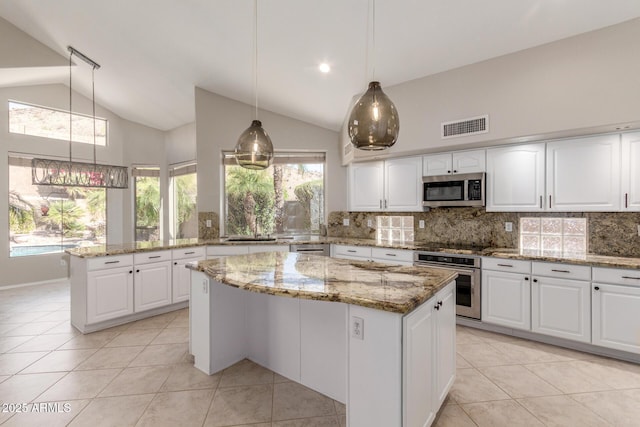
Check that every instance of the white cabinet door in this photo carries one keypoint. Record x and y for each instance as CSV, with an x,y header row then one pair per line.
x,y
419,366
516,178
437,164
366,186
403,184
616,323
469,161
506,299
109,294
152,285
584,174
445,344
181,283
561,307
631,171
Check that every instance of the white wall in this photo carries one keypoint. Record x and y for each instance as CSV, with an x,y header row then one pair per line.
x,y
583,84
181,144
128,143
219,123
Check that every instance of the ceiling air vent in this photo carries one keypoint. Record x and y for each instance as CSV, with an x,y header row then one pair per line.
x,y
465,127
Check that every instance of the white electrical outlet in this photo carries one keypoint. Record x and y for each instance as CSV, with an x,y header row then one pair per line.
x,y
369,223
209,223
357,327
205,286
508,226
638,229
421,223
345,222
63,262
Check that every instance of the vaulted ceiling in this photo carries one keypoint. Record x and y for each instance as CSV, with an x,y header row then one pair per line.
x,y
154,52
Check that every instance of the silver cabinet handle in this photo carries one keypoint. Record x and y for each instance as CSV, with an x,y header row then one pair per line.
x,y
505,265
380,203
560,271
630,277
155,256
385,203
549,201
111,262
391,254
626,200
540,202
190,253
352,251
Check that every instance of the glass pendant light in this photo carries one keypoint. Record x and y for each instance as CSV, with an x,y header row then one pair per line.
x,y
373,122
254,149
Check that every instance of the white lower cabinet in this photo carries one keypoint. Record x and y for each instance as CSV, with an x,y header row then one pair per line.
x,y
616,308
429,355
109,294
152,285
561,308
506,295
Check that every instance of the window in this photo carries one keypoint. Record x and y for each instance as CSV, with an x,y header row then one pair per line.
x,y
49,219
46,122
559,237
285,198
184,192
147,202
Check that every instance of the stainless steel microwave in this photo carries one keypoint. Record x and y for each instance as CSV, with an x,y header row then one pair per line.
x,y
453,190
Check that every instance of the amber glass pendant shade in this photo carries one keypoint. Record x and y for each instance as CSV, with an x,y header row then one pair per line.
x,y
374,123
254,149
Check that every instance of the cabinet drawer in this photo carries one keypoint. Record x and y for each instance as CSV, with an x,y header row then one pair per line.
x,y
562,271
188,253
616,276
400,255
508,265
358,251
109,262
147,257
226,250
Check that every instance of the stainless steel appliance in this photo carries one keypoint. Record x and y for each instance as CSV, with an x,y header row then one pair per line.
x,y
453,190
311,248
467,283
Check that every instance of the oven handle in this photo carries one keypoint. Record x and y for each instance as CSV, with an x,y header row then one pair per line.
x,y
470,270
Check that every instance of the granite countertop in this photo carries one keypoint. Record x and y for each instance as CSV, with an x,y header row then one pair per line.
x,y
383,287
593,260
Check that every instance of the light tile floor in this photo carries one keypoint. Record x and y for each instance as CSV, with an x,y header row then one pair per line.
x,y
139,374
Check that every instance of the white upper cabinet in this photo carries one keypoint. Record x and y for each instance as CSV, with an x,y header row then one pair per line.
x,y
391,185
515,178
584,174
631,171
453,163
403,184
366,186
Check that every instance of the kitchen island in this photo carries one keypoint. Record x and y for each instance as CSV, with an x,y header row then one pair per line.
x,y
379,338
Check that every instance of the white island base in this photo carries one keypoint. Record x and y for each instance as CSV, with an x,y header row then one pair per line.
x,y
394,371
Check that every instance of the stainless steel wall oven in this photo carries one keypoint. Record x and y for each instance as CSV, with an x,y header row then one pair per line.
x,y
467,283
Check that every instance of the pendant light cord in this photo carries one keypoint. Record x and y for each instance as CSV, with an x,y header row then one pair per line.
x,y
255,52
373,38
93,98
70,108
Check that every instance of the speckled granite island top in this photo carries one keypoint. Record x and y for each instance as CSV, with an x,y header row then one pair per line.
x,y
298,275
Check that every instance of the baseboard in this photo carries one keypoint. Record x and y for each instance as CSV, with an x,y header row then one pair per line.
x,y
43,282
560,342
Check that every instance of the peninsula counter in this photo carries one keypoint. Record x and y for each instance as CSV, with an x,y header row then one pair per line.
x,y
379,338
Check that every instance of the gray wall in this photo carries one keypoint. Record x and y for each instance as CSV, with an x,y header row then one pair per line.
x,y
583,84
219,123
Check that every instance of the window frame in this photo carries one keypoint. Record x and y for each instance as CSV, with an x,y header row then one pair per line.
x,y
63,111
149,171
176,170
302,156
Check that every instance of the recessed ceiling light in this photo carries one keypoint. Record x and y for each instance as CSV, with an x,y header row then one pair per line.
x,y
324,67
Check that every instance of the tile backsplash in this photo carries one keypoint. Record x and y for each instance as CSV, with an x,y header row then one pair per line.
x,y
609,233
